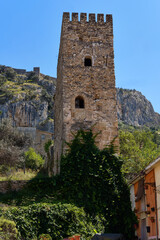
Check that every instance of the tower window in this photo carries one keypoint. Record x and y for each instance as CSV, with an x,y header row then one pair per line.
x,y
87,62
106,60
79,102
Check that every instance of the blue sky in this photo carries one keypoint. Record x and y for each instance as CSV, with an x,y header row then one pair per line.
x,y
30,35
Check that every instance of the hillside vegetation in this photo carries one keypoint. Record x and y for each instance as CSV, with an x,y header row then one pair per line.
x,y
138,147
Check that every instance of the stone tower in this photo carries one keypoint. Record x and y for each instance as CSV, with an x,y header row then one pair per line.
x,y
85,94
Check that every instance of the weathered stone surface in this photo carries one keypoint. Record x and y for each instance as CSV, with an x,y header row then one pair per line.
x,y
134,109
95,84
25,113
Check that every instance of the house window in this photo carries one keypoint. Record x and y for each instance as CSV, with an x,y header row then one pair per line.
x,y
79,102
88,62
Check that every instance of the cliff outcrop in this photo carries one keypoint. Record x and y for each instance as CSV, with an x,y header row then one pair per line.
x,y
26,98
134,109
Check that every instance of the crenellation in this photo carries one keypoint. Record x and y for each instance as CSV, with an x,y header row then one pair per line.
x,y
100,18
92,17
66,17
83,17
109,19
74,17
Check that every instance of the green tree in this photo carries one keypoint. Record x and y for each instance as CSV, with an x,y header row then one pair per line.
x,y
138,149
33,160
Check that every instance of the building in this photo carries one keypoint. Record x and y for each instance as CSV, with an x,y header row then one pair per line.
x,y
145,198
85,93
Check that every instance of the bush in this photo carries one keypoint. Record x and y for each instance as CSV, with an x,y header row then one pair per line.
x,y
44,237
8,230
33,76
3,79
57,220
33,160
10,73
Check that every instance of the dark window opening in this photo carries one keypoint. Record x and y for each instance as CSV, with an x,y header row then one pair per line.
x,y
79,102
87,62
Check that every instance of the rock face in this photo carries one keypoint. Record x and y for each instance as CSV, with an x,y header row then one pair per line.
x,y
25,113
26,98
134,109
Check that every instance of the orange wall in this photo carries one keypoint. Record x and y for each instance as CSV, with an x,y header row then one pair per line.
x,y
150,199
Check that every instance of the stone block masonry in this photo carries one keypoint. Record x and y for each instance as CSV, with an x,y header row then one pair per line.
x,y
85,93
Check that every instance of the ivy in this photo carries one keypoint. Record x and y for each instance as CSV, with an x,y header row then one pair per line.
x,y
92,178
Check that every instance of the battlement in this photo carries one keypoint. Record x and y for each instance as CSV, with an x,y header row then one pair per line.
x,y
92,18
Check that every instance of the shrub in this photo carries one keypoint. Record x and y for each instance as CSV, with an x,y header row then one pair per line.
x,y
57,220
10,73
33,76
3,79
33,160
8,230
44,237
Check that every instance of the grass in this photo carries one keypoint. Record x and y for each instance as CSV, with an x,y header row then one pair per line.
x,y
18,175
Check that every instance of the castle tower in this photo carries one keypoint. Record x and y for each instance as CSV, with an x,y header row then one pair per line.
x,y
85,94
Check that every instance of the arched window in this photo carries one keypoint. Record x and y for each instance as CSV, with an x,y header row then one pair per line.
x,y
87,62
79,102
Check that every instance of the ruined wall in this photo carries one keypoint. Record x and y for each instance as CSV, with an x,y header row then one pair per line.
x,y
95,84
11,186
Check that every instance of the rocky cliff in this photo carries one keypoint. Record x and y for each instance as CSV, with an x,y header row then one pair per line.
x,y
27,99
134,109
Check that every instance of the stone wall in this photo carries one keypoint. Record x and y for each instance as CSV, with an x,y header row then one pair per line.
x,y
95,84
7,186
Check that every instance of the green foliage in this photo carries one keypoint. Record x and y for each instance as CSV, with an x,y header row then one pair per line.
x,y
92,178
8,230
33,160
3,79
44,237
47,145
57,220
138,148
